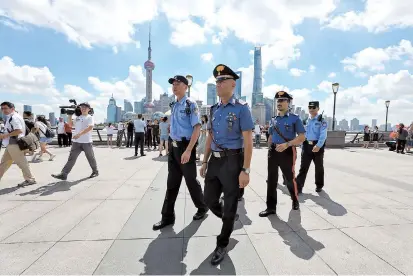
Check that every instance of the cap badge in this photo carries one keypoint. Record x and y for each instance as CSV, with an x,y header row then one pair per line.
x,y
281,93
220,68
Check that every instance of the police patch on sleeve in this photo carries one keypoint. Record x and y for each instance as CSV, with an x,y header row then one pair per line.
x,y
324,124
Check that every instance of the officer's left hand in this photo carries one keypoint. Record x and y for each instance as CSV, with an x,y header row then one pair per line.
x,y
281,147
244,179
76,136
185,157
316,149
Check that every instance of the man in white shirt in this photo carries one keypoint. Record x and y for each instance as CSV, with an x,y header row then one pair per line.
x,y
139,126
15,128
82,141
61,133
257,132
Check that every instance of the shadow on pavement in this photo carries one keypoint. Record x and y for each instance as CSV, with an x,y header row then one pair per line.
x,y
61,186
131,158
9,190
161,158
242,212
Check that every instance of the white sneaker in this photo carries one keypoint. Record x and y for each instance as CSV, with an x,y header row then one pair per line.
x,y
52,157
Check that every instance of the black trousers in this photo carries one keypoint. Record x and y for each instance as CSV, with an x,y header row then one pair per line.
x,y
308,156
286,162
155,139
130,139
139,137
222,177
176,171
119,138
62,140
69,138
400,145
148,139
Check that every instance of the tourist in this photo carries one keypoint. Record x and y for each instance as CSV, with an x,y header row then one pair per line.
x,y
155,133
139,126
366,137
164,130
42,129
402,135
110,130
376,137
130,130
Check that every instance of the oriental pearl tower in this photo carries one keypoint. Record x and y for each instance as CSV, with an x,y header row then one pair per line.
x,y
149,66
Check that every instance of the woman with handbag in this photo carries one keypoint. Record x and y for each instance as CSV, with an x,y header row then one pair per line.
x,y
43,130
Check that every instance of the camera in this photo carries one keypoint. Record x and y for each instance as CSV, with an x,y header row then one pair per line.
x,y
73,109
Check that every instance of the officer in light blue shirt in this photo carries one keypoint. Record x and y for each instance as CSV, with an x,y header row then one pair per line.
x,y
185,129
313,148
282,153
227,156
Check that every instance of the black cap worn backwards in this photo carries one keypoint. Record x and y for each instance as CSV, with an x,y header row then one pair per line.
x,y
314,104
283,95
223,71
178,78
85,104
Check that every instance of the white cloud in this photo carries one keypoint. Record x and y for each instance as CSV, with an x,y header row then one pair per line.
x,y
374,59
325,86
296,72
86,23
207,57
25,79
187,33
332,75
378,16
312,68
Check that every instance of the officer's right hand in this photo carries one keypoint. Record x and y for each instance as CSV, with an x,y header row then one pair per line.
x,y
202,170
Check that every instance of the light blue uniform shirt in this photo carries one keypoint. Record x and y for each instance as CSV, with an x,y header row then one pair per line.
x,y
228,122
289,125
184,117
316,131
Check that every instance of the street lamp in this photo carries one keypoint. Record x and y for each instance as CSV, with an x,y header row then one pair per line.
x,y
189,78
387,112
334,86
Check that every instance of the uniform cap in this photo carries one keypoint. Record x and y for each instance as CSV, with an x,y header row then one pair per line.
x,y
221,71
178,78
283,95
314,104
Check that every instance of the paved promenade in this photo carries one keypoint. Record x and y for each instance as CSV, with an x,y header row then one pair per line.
x,y
361,224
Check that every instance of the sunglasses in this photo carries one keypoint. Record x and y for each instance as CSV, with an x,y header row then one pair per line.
x,y
312,107
281,100
220,80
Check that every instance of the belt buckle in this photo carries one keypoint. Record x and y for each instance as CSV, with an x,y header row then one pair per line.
x,y
216,154
310,142
175,144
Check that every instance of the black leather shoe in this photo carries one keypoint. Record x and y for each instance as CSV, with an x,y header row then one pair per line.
x,y
200,214
162,224
266,213
60,176
218,255
94,174
318,190
300,191
296,205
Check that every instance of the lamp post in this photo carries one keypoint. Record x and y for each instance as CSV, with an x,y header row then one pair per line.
x,y
387,112
189,78
334,86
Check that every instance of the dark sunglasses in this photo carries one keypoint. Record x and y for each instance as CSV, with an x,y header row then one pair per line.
x,y
223,79
281,100
312,107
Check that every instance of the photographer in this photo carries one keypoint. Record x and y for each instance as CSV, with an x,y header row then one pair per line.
x,y
82,141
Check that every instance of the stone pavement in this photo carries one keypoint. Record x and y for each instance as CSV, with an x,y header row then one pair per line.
x,y
362,224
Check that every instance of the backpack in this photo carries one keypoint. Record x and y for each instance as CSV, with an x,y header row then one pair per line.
x,y
28,142
49,133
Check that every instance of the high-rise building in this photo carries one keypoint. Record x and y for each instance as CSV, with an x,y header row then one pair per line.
x,y
374,123
164,102
238,85
52,119
257,81
27,108
127,106
111,111
343,125
354,124
136,107
269,108
118,114
211,94
258,113
149,66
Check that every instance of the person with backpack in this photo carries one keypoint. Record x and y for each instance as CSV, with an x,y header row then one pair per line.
x,y
46,135
14,131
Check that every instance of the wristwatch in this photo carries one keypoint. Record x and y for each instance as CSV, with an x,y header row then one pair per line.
x,y
246,170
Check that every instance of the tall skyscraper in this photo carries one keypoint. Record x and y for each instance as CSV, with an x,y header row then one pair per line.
x,y
52,119
373,122
211,94
27,108
111,111
136,107
118,114
269,108
149,67
257,82
238,86
127,106
354,124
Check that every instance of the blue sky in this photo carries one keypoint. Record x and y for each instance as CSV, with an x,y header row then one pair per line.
x,y
325,43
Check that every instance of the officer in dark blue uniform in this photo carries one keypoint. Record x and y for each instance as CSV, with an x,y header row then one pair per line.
x,y
313,148
282,153
185,129
229,144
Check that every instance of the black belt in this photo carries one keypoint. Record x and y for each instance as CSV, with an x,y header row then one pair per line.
x,y
226,152
310,142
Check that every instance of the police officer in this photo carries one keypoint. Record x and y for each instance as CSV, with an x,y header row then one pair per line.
x,y
313,148
282,153
185,129
230,147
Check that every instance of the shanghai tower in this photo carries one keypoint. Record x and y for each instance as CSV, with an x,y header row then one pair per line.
x,y
149,66
257,96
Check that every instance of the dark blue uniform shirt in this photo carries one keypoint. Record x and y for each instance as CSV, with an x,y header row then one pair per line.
x,y
228,122
289,125
316,131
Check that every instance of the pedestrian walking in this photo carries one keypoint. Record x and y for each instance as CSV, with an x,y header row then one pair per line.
x,y
312,149
282,152
185,129
139,126
129,140
227,156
